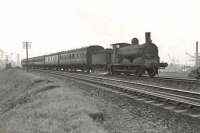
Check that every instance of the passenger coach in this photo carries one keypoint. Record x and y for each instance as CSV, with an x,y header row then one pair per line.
x,y
78,59
72,60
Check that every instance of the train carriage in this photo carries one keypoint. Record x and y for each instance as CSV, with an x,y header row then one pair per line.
x,y
34,62
38,62
101,59
51,61
78,59
23,63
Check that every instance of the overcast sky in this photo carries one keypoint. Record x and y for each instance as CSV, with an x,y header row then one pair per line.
x,y
56,25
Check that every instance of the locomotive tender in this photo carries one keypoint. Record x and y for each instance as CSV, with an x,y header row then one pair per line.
x,y
122,58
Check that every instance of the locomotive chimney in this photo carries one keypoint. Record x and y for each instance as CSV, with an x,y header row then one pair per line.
x,y
148,37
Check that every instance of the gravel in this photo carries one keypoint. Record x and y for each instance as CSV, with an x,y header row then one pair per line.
x,y
125,115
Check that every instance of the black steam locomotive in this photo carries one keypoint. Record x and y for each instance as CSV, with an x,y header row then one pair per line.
x,y
122,58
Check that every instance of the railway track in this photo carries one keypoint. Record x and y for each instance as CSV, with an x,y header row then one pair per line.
x,y
164,79
179,101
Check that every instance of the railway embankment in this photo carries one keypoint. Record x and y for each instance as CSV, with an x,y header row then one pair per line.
x,y
33,104
37,102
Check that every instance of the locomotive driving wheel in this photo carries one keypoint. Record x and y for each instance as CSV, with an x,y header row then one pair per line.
x,y
151,73
153,70
139,73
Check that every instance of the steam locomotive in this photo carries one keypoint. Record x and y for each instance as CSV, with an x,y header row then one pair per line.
x,y
123,58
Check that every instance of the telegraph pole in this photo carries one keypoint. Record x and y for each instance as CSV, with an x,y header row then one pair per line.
x,y
197,54
26,45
